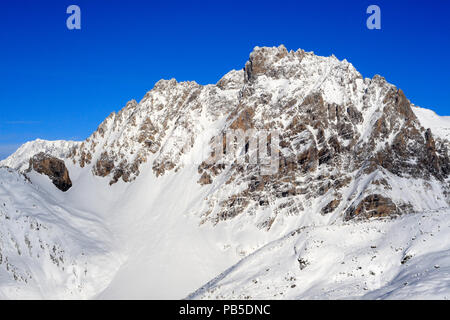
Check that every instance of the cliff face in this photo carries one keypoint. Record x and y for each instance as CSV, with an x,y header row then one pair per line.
x,y
285,150
52,167
346,143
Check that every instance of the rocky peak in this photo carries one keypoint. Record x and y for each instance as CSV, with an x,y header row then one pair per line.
x,y
336,129
264,61
346,142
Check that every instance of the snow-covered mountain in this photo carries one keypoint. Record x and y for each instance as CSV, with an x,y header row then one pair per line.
x,y
20,159
362,182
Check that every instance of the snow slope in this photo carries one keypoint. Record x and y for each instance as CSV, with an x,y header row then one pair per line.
x,y
138,224
405,258
439,125
150,246
49,250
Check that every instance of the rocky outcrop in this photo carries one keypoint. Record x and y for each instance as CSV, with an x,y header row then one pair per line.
x,y
331,206
52,167
205,179
372,206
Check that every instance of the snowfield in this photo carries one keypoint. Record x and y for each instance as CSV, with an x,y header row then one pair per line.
x,y
145,220
439,125
404,258
49,250
155,249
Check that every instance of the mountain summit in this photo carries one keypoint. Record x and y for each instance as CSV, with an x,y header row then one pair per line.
x,y
347,148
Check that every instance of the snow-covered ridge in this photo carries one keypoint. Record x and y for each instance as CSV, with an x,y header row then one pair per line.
x,y
439,125
20,159
129,137
351,148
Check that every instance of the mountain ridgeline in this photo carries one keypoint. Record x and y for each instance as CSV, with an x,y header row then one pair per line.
x,y
345,142
144,190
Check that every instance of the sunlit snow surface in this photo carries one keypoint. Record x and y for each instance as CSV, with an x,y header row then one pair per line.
x,y
49,248
146,239
439,125
405,258
156,249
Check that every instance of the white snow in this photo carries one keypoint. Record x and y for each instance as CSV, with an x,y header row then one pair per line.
x,y
439,125
49,249
19,159
150,238
349,261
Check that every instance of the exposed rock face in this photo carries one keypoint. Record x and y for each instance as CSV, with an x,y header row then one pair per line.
x,y
374,205
161,128
52,167
338,131
205,179
349,147
331,206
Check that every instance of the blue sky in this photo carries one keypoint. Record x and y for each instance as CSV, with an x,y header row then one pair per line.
x,y
57,83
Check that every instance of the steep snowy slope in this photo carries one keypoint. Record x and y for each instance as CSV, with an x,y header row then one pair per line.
x,y
47,249
167,219
440,126
407,258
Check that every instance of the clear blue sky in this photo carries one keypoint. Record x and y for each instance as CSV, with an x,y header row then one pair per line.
x,y
57,83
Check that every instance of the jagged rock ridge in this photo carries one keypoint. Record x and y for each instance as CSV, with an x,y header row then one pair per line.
x,y
346,142
350,148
